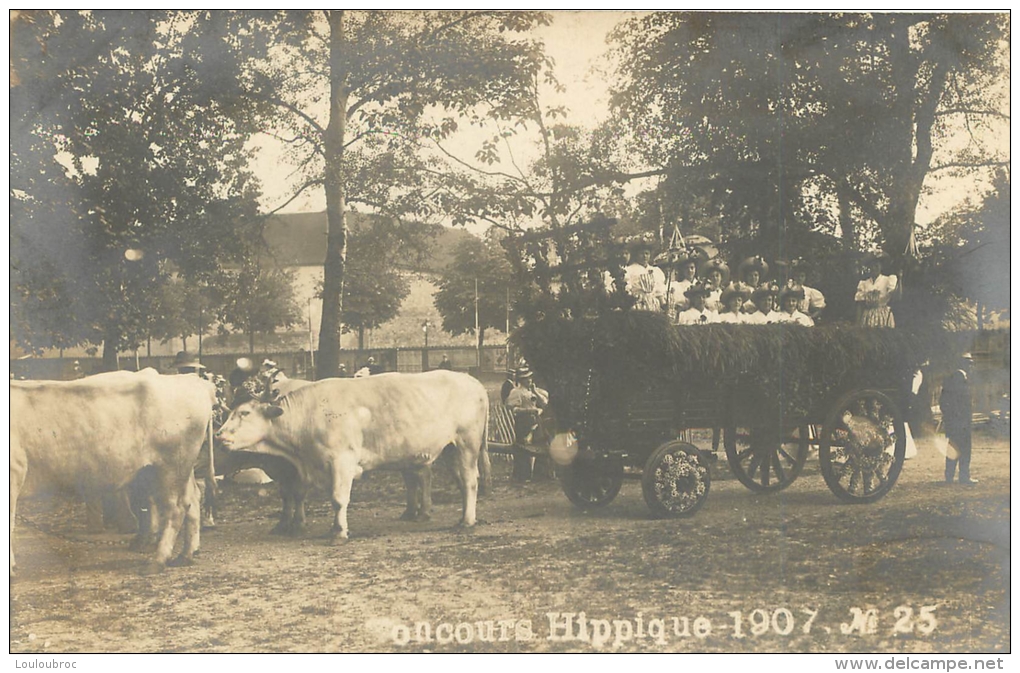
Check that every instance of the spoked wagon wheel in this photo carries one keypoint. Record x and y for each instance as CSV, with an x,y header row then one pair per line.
x,y
675,480
766,459
591,483
862,446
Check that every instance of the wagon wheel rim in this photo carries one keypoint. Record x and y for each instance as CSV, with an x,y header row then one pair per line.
x,y
592,483
863,446
676,480
767,460
595,490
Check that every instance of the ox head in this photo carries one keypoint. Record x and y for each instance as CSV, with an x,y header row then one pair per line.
x,y
248,424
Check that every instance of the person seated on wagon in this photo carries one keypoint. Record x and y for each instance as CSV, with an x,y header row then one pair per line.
x,y
646,282
789,302
685,274
764,300
526,402
874,293
699,313
508,385
751,274
717,275
814,301
620,264
733,299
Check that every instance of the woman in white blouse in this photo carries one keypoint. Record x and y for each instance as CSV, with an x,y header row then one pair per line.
x,y
874,293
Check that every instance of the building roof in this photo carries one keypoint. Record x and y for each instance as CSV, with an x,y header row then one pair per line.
x,y
299,239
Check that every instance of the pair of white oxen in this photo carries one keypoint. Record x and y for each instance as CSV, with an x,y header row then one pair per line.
x,y
96,434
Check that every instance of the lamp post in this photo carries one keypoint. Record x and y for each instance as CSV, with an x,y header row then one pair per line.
x,y
425,353
311,343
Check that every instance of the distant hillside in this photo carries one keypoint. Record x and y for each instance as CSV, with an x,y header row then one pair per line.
x,y
299,239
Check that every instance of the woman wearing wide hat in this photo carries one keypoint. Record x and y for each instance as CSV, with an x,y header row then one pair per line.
x,y
874,292
684,274
716,275
764,301
751,274
789,301
699,313
645,281
732,300
814,301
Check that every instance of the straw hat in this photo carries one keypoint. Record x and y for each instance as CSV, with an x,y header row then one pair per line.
x,y
185,359
713,265
697,289
756,263
740,291
764,291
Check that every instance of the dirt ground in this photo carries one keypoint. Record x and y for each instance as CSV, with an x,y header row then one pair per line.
x,y
926,569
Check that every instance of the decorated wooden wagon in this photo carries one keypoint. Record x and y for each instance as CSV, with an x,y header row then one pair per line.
x,y
629,390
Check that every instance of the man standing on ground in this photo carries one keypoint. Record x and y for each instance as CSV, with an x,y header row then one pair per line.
x,y
956,406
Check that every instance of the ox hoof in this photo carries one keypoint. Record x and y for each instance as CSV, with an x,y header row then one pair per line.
x,y
152,568
463,527
339,538
294,530
141,543
181,562
409,515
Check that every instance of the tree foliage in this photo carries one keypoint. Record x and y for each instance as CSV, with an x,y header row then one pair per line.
x,y
258,298
128,166
480,264
970,248
788,123
360,94
374,287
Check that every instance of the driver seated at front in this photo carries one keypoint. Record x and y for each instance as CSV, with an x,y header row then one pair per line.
x,y
526,401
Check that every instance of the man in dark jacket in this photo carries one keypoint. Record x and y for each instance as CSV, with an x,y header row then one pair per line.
x,y
955,403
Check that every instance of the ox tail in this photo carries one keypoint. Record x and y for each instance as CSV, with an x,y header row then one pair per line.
x,y
484,464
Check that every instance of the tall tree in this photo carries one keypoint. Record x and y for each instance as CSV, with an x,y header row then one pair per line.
x,y
128,161
258,299
970,249
363,91
374,287
772,115
479,275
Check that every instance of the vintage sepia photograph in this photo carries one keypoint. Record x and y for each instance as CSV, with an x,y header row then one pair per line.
x,y
492,331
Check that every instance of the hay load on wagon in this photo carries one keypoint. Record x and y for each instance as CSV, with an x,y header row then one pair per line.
x,y
633,352
628,384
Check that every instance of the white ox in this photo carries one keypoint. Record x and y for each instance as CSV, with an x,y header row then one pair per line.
x,y
96,434
335,429
293,490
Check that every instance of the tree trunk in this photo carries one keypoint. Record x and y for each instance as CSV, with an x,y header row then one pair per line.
x,y
336,237
361,338
846,220
110,339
